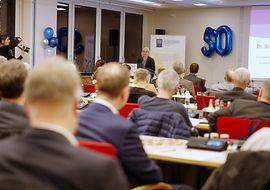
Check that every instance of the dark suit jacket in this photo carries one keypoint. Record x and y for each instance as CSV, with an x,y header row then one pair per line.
x,y
6,51
242,109
98,123
150,64
48,157
235,93
136,93
196,81
12,119
243,170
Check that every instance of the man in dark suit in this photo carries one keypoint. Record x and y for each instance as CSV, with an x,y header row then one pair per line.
x,y
241,79
246,108
100,122
141,80
146,62
48,152
13,119
194,68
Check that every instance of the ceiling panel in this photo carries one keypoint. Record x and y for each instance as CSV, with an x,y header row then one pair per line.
x,y
187,3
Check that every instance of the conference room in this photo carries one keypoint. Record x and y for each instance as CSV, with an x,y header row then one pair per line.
x,y
186,82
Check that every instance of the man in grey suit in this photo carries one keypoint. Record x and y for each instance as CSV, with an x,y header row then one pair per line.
x,y
13,119
246,108
48,152
194,69
188,85
241,79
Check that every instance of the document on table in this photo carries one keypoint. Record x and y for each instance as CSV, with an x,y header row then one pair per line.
x,y
182,152
195,122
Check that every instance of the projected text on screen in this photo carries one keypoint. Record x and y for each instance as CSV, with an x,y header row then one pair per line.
x,y
259,43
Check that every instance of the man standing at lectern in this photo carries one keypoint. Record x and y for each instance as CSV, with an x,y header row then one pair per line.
x,y
146,62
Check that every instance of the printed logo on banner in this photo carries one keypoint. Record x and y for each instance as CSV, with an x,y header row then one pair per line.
x,y
159,43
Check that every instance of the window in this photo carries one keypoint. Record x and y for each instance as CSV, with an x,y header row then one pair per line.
x,y
62,29
110,31
7,17
133,37
84,38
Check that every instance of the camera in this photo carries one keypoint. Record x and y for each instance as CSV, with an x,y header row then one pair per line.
x,y
24,48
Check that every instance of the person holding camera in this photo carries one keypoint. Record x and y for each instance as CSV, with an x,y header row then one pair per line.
x,y
6,47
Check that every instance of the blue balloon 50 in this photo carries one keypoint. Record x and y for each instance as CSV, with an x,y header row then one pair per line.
x,y
217,44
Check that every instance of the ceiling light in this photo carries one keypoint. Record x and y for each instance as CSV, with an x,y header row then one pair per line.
x,y
199,4
146,2
61,9
62,4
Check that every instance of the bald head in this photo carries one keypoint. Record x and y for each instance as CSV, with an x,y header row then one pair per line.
x,y
168,80
53,81
178,67
112,78
141,75
12,77
228,76
241,77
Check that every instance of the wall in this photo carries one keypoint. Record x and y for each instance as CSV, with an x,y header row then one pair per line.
x,y
24,27
192,23
45,15
32,17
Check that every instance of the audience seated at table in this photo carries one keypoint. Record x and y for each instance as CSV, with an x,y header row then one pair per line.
x,y
13,119
100,122
246,108
241,79
141,79
168,84
194,69
48,151
227,85
184,83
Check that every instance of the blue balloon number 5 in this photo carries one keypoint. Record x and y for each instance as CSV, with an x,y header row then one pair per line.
x,y
216,45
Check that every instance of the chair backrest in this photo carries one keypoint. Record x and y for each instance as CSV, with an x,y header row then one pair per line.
x,y
196,89
104,148
89,88
203,101
128,107
156,186
204,81
239,128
